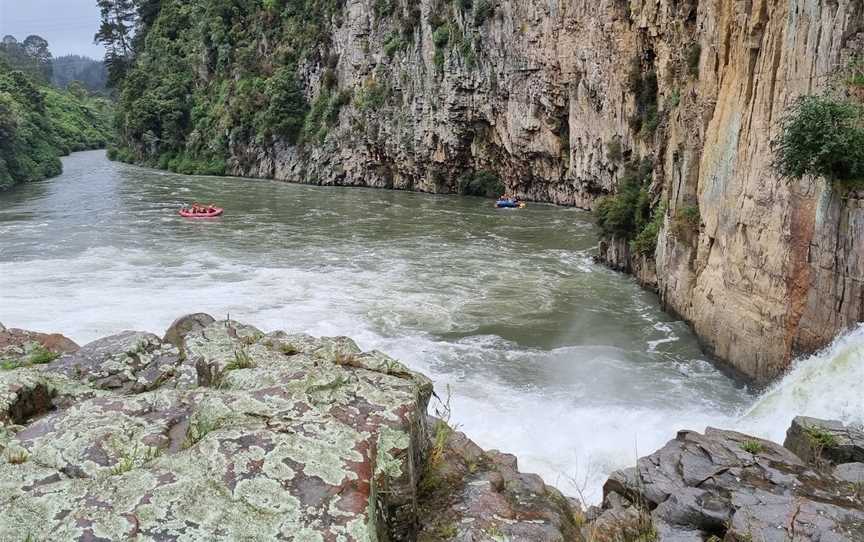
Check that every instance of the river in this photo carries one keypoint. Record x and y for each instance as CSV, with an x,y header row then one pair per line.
x,y
547,355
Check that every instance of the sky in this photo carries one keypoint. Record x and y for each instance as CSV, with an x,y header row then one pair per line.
x,y
68,25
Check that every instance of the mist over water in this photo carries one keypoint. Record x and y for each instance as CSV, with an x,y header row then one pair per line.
x,y
546,355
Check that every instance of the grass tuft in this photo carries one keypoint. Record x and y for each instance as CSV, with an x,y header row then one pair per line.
x,y
752,447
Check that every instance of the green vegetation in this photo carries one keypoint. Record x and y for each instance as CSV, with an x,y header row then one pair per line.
x,y
822,136
645,242
288,349
483,9
371,95
38,124
856,72
31,57
138,455
673,100
694,55
242,360
686,221
480,183
644,87
199,80
38,356
394,42
17,457
615,151
197,429
628,213
820,438
90,74
752,447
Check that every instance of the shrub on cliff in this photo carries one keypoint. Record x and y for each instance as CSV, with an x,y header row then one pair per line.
x,y
627,212
822,136
480,183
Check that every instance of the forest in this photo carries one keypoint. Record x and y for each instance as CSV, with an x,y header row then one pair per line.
x,y
40,122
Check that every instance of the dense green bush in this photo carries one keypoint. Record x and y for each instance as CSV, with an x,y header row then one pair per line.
x,y
394,42
441,36
626,213
694,55
287,106
200,79
822,136
483,9
645,89
480,183
38,124
645,242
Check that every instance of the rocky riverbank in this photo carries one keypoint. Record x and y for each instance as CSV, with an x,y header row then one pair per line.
x,y
219,431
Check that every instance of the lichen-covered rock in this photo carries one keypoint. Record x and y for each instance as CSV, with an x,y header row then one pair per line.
x,y
20,347
732,486
469,495
129,362
278,437
815,440
185,325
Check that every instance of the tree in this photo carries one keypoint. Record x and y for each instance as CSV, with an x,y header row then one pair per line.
x,y
90,73
32,56
119,18
36,48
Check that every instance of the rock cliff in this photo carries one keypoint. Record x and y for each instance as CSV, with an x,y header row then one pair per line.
x,y
560,102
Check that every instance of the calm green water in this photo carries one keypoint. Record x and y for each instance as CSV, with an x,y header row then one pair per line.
x,y
547,355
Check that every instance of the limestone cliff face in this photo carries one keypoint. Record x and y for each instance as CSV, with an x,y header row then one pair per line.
x,y
557,99
776,268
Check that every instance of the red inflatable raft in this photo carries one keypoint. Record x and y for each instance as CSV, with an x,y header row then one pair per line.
x,y
206,213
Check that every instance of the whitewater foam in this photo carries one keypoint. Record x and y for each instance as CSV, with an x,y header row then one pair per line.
x,y
566,364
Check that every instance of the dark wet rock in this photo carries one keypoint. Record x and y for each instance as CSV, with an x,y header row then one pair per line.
x,y
731,486
185,325
815,440
469,495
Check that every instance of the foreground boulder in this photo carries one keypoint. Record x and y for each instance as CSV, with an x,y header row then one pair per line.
x,y
471,495
228,433
731,487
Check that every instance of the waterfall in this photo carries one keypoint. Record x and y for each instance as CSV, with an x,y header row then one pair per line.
x,y
826,384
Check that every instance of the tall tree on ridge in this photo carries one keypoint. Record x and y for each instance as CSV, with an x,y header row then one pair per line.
x,y
116,32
